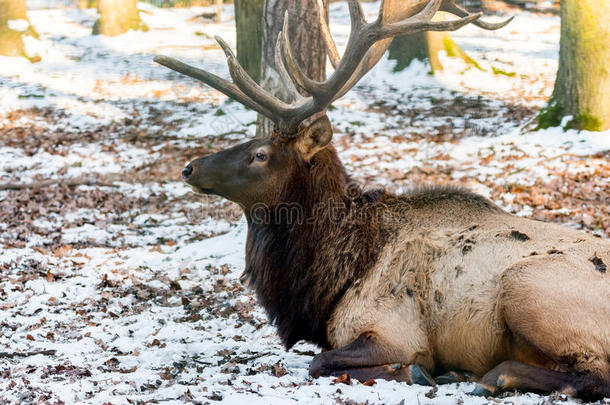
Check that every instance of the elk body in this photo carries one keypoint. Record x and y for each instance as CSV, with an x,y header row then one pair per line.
x,y
438,282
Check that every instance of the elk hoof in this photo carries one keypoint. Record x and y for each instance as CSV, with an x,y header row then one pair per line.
x,y
420,376
448,378
481,391
186,172
454,377
318,367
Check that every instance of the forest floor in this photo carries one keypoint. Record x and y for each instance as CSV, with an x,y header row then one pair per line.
x,y
126,290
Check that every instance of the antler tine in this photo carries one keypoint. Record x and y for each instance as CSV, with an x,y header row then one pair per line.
x,y
249,86
356,14
429,10
212,80
292,67
331,47
422,21
450,7
284,76
417,25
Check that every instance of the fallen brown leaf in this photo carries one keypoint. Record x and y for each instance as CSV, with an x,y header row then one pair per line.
x,y
343,379
279,370
369,383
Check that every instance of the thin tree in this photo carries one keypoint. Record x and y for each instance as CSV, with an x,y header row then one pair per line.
x,y
118,17
84,4
14,24
307,43
249,28
582,87
218,16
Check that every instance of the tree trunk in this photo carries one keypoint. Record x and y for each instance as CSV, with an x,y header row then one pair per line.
x,y
218,16
306,40
118,17
14,24
426,46
406,48
249,27
84,4
582,88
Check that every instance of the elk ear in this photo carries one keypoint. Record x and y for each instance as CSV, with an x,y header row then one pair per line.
x,y
315,137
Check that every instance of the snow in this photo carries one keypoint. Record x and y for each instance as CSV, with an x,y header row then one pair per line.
x,y
18,25
136,287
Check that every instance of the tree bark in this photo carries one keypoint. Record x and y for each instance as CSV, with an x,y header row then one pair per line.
x,y
249,27
582,88
407,48
118,17
306,40
14,23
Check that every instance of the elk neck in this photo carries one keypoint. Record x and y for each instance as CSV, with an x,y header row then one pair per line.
x,y
311,247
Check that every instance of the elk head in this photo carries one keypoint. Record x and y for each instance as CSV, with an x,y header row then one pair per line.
x,y
253,172
259,170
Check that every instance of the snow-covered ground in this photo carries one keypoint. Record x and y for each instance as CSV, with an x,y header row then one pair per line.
x,y
128,292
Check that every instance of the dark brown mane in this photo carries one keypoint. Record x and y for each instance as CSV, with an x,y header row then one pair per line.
x,y
301,266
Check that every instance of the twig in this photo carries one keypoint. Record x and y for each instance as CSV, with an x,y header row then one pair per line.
x,y
6,355
574,155
223,134
47,183
186,138
242,360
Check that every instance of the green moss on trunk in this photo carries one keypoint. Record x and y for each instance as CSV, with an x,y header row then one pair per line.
x,y
550,115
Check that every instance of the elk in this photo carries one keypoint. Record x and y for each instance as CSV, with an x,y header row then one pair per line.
x,y
433,286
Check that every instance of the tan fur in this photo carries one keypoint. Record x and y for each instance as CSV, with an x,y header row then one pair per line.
x,y
488,288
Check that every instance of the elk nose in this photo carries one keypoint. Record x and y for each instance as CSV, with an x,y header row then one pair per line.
x,y
187,172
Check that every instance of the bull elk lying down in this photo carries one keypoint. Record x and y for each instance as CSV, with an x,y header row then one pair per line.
x,y
438,282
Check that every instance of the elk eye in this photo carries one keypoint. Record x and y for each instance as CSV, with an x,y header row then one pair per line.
x,y
260,156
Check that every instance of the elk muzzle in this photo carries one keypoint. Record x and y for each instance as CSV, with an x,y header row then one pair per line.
x,y
227,173
186,172
204,175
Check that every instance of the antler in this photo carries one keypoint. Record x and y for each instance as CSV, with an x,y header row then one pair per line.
x,y
367,43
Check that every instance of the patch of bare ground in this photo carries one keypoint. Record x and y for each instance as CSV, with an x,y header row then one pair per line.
x,y
42,211
41,200
475,115
34,130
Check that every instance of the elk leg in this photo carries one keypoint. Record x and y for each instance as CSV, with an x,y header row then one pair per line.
x,y
514,375
366,359
553,321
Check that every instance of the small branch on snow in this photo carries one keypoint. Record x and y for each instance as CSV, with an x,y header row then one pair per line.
x,y
6,355
47,183
574,155
188,138
249,358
